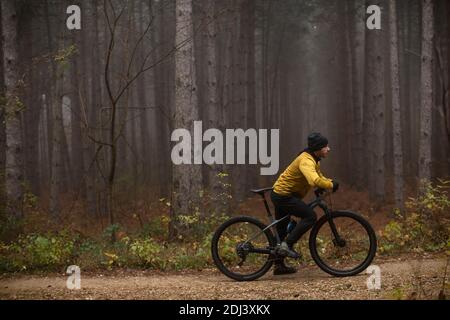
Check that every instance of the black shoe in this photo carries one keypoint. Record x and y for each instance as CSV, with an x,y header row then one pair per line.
x,y
287,251
280,268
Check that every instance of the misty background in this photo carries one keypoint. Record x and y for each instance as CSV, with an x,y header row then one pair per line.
x,y
87,114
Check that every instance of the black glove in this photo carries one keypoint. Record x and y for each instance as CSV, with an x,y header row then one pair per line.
x,y
319,191
335,186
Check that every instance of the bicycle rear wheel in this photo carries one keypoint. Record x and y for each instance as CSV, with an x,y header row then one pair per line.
x,y
241,249
349,255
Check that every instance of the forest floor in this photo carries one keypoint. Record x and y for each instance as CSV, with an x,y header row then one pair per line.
x,y
404,277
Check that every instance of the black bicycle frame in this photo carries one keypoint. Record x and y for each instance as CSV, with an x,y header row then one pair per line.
x,y
318,202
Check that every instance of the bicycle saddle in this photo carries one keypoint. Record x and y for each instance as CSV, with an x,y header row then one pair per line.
x,y
261,191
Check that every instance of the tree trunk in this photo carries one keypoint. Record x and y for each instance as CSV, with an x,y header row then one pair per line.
x,y
447,113
143,118
90,110
186,179
77,89
375,105
158,91
2,126
57,150
237,116
414,47
213,110
133,127
162,95
356,86
266,29
43,143
251,99
426,89
346,171
31,98
56,126
13,111
396,113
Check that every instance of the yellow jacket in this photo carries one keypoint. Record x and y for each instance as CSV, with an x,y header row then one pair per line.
x,y
302,174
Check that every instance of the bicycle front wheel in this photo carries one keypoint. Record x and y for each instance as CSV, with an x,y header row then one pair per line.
x,y
351,252
241,249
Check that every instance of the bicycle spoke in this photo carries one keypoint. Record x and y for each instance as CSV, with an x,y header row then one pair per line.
x,y
351,252
236,251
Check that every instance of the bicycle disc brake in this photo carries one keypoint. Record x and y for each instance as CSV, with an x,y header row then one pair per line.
x,y
339,242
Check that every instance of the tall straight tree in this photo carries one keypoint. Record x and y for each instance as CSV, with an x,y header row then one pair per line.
x,y
89,152
249,9
160,35
142,99
186,179
57,129
213,111
448,55
27,50
2,125
353,25
426,90
77,90
13,110
448,84
375,107
396,116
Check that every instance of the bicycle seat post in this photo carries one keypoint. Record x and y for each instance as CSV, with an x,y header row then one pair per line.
x,y
269,214
271,218
262,192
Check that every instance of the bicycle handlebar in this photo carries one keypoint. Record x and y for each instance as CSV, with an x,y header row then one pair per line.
x,y
318,192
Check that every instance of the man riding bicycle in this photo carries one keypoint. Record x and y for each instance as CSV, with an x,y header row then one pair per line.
x,y
289,190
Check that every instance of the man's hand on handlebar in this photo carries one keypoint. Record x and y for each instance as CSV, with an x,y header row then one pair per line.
x,y
335,186
319,191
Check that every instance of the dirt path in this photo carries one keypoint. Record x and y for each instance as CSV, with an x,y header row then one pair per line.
x,y
404,279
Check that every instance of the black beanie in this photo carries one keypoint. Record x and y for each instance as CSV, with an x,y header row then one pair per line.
x,y
316,141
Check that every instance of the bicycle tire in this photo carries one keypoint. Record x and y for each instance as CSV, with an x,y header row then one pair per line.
x,y
335,272
218,261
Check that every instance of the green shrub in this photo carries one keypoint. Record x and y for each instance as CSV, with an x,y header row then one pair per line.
x,y
424,225
198,227
194,256
38,251
188,261
110,231
10,226
147,251
157,228
52,251
89,254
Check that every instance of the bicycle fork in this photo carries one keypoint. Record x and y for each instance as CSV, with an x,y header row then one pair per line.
x,y
337,241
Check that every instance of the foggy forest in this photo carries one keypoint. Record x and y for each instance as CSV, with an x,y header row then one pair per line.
x,y
88,110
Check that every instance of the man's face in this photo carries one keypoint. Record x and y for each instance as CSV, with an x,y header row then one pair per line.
x,y
323,153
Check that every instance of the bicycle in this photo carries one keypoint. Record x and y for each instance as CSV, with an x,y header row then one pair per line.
x,y
244,248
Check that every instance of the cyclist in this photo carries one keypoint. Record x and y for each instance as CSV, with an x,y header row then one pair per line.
x,y
289,190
